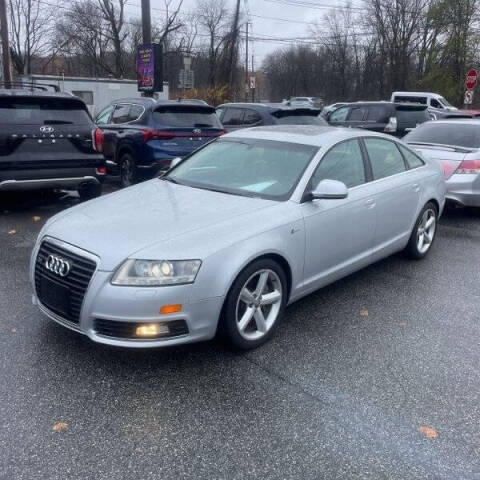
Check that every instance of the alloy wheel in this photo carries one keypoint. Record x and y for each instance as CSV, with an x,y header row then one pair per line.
x,y
126,171
426,230
259,304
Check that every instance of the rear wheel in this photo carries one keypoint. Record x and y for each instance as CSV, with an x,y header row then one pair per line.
x,y
92,190
255,304
423,233
128,170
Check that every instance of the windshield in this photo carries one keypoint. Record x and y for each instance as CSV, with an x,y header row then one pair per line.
x,y
455,134
43,111
444,102
187,117
263,168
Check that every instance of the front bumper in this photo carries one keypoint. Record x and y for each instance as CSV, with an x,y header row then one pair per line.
x,y
464,189
140,305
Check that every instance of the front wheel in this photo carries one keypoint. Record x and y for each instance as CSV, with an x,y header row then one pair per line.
x,y
255,304
423,232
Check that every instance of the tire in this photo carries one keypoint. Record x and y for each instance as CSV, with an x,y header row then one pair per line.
x,y
422,237
128,170
249,319
92,190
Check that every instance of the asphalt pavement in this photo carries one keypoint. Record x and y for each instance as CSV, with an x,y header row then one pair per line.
x,y
374,377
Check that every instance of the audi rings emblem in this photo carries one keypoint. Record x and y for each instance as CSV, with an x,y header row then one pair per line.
x,y
57,265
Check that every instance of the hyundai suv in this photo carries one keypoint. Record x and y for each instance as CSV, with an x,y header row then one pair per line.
x,y
143,136
48,141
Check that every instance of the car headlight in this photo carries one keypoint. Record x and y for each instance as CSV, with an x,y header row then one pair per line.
x,y
156,272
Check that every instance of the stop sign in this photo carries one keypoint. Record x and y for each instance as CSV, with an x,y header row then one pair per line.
x,y
471,79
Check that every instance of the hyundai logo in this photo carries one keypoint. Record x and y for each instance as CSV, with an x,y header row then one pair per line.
x,y
197,131
46,129
57,265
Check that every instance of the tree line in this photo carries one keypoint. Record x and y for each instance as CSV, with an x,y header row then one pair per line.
x,y
353,52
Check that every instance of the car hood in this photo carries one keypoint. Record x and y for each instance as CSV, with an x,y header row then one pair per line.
x,y
117,225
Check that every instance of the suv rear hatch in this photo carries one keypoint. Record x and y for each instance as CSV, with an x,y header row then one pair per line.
x,y
409,116
45,132
298,116
181,129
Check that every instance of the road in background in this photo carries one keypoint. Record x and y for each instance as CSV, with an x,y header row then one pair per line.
x,y
346,388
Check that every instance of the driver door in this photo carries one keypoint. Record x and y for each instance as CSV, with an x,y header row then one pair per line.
x,y
339,232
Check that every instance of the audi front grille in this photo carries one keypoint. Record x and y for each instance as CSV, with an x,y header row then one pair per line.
x,y
62,293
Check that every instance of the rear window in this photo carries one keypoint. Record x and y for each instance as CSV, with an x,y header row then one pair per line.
x,y
186,117
43,111
455,134
410,118
298,118
378,113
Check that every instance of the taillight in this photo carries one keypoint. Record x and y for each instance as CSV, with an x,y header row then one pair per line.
x,y
157,134
469,166
391,126
97,139
101,170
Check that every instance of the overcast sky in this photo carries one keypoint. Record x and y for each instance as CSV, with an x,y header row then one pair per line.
x,y
261,26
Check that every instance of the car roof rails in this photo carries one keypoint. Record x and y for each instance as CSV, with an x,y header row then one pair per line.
x,y
44,87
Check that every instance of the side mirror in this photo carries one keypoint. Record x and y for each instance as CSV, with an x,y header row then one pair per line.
x,y
329,189
175,162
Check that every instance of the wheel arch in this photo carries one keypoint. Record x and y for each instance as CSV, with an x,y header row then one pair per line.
x,y
124,148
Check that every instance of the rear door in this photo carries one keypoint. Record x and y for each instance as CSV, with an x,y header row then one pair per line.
x,y
180,129
42,132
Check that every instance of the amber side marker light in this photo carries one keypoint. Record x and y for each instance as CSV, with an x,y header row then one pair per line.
x,y
168,309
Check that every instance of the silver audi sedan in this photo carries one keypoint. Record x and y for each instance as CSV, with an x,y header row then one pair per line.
x,y
232,234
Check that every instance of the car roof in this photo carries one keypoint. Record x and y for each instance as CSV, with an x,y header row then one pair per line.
x,y
19,92
303,134
418,94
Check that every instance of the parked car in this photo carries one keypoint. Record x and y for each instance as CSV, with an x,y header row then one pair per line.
x,y
48,141
456,145
142,136
437,106
313,102
246,225
242,115
393,118
329,108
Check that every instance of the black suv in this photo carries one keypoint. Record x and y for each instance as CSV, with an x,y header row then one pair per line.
x,y
387,117
142,136
47,142
243,115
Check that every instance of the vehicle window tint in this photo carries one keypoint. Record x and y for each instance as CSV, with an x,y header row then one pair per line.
x,y
339,115
233,116
136,111
186,116
410,118
406,99
85,95
291,117
357,114
43,111
413,160
455,134
251,117
344,163
435,104
377,114
385,158
121,114
104,116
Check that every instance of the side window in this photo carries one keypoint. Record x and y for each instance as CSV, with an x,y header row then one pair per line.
x,y
136,111
385,158
435,103
377,114
220,111
339,115
412,160
356,114
250,117
121,113
104,116
233,117
343,162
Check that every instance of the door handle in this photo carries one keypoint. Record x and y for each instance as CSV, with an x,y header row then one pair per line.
x,y
416,187
370,203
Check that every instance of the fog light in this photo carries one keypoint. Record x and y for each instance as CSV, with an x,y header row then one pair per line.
x,y
151,330
168,309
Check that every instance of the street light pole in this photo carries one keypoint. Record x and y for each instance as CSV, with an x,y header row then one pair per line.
x,y
7,72
146,22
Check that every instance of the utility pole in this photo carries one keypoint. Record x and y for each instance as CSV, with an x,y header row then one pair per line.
x,y
246,63
233,48
146,22
255,77
7,72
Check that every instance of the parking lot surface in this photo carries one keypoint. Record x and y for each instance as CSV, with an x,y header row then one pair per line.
x,y
375,376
